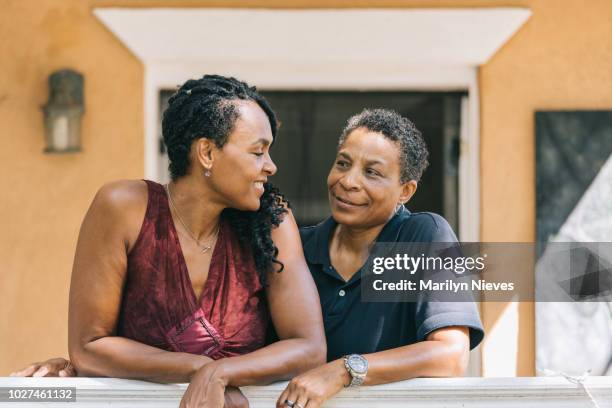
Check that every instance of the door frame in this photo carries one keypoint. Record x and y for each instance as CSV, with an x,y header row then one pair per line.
x,y
160,77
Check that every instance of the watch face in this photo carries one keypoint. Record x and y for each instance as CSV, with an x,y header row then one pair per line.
x,y
358,364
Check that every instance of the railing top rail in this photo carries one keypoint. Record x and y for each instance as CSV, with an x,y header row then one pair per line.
x,y
425,392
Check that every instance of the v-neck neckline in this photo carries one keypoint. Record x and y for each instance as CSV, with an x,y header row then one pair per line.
x,y
183,262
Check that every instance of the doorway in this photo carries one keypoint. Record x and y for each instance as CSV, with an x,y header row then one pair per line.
x,y
311,122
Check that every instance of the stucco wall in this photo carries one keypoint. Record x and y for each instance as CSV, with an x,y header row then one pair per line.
x,y
44,197
560,59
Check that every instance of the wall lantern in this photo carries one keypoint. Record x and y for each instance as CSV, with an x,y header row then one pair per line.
x,y
63,112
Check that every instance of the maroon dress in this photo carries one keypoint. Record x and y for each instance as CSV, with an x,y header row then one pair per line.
x,y
159,306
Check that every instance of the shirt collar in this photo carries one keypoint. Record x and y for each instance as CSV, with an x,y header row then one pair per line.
x,y
316,250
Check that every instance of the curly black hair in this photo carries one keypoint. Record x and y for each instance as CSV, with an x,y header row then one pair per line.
x,y
206,107
395,127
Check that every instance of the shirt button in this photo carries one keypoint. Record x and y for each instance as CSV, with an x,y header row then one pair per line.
x,y
342,292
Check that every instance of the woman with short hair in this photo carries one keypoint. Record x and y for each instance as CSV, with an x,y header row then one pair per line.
x,y
381,157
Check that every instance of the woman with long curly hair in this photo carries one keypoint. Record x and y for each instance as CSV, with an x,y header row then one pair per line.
x,y
177,282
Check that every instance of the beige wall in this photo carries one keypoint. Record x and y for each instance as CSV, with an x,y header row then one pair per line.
x,y
44,197
560,59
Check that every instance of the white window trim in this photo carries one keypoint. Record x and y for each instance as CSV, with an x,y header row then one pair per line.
x,y
160,77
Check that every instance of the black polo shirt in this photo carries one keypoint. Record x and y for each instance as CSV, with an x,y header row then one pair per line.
x,y
353,326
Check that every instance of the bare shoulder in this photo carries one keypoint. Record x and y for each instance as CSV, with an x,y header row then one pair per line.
x,y
287,229
121,204
123,194
287,240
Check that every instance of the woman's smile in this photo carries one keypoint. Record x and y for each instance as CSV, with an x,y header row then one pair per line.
x,y
344,202
259,186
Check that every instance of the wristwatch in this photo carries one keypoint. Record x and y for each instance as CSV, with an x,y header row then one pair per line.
x,y
357,367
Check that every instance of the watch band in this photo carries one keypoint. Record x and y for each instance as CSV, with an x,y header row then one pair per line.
x,y
356,378
356,381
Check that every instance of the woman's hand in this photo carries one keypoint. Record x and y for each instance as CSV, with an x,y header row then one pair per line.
x,y
206,388
314,387
54,367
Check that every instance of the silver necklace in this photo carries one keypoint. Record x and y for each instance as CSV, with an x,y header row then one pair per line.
x,y
204,248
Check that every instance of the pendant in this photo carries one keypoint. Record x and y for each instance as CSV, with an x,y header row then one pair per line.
x,y
205,249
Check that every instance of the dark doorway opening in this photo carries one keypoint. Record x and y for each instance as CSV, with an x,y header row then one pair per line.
x,y
311,122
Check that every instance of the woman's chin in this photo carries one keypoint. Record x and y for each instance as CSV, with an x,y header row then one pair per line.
x,y
244,205
251,205
345,218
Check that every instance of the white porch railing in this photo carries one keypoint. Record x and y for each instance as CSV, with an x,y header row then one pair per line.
x,y
522,392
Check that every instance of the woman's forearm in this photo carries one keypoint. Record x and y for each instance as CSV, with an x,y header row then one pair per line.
x,y
124,358
275,362
424,359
